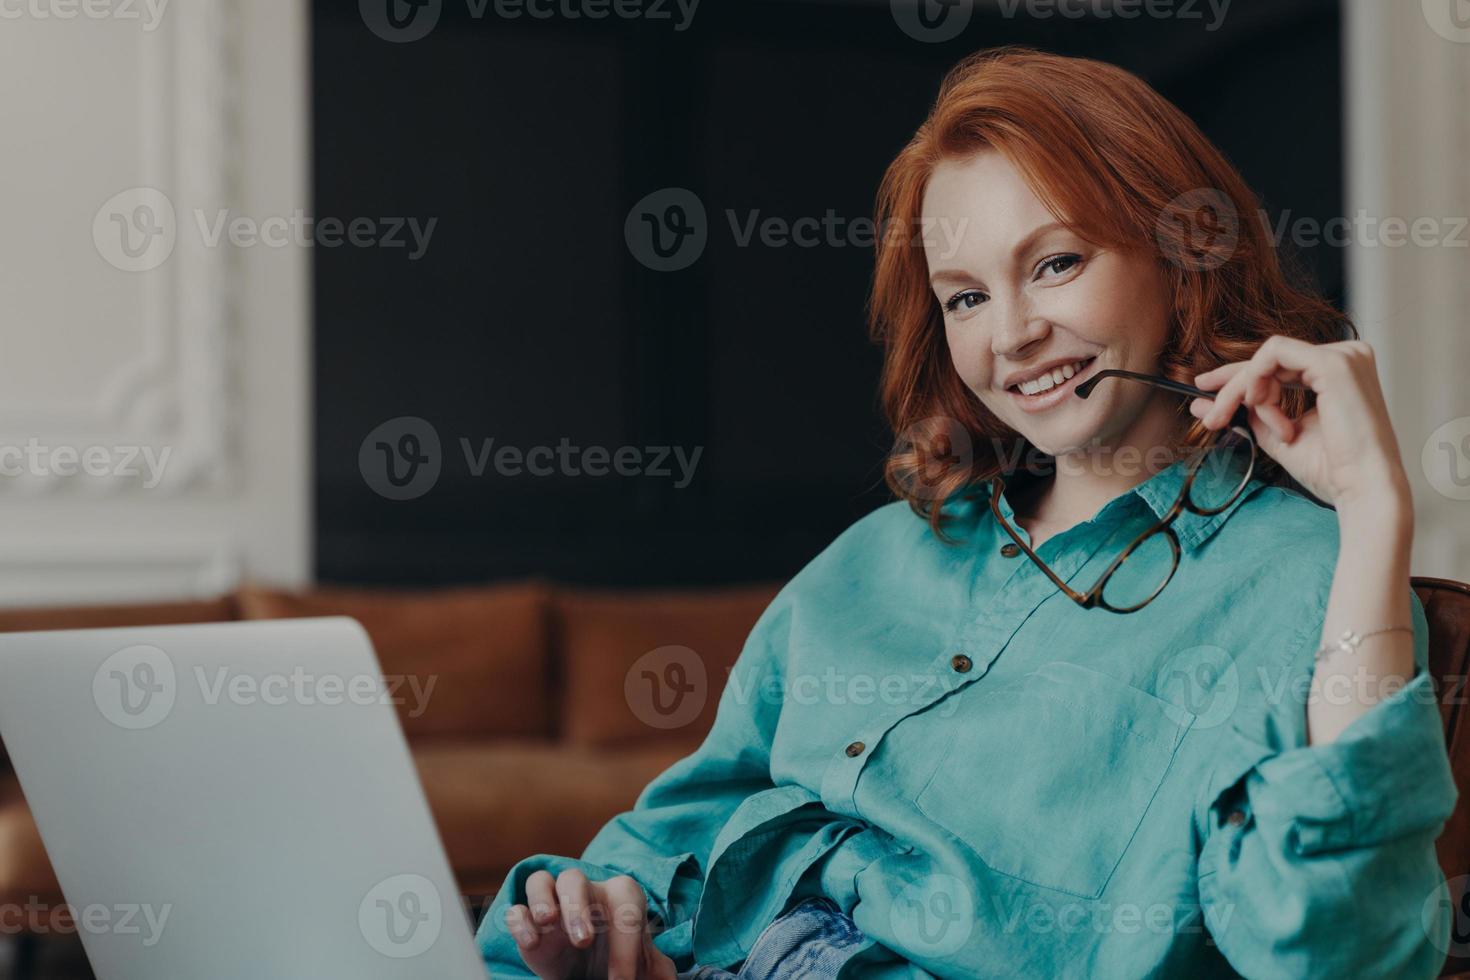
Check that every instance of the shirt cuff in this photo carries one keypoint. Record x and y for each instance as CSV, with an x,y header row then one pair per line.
x,y
1385,776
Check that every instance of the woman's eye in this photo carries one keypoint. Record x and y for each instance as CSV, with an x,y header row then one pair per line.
x,y
1059,264
966,300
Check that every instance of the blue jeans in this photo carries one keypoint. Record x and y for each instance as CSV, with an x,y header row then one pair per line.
x,y
811,941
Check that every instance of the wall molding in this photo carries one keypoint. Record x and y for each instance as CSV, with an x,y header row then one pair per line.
x,y
48,573
178,391
1408,137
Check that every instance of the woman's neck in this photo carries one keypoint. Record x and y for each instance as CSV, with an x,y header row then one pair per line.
x,y
1082,483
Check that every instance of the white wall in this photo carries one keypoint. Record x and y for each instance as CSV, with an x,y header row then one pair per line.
x,y
201,351
1408,98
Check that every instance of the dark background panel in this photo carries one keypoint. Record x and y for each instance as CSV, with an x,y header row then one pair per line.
x,y
529,321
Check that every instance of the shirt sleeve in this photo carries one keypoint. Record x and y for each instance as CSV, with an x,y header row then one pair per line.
x,y
664,842
1319,860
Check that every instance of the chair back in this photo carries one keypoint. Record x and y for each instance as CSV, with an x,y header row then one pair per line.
x,y
1447,607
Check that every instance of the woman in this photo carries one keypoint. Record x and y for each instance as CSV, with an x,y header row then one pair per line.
x,y
931,759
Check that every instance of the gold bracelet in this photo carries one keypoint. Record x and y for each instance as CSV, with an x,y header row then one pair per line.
x,y
1348,642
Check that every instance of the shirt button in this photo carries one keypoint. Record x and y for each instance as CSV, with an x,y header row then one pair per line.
x,y
1010,550
961,663
1235,818
856,749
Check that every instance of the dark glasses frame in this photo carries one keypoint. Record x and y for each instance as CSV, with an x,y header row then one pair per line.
x,y
1093,597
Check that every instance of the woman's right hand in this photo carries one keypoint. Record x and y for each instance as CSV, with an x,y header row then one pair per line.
x,y
574,929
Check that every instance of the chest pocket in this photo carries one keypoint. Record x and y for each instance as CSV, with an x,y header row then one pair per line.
x,y
1048,777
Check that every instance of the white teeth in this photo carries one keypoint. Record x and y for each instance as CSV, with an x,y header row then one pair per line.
x,y
1053,378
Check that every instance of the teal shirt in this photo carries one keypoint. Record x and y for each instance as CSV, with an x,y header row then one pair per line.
x,y
994,782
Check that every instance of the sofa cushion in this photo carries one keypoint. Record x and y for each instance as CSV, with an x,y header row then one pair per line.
x,y
616,648
484,650
498,802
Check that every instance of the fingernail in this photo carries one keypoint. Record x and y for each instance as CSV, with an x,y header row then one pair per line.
x,y
579,930
541,912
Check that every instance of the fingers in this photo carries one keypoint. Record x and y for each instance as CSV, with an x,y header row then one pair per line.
x,y
541,897
518,919
542,950
584,908
1281,423
540,941
1258,381
574,897
624,900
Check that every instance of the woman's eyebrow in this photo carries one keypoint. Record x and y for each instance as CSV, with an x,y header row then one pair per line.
x,y
1024,245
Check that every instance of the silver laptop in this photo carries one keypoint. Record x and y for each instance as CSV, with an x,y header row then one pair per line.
x,y
232,800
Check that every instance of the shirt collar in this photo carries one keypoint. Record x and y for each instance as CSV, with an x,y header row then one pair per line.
x,y
1158,493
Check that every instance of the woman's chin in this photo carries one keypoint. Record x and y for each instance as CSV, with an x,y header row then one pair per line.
x,y
1060,440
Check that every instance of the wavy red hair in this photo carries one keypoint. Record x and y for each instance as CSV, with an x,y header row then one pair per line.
x,y
1123,168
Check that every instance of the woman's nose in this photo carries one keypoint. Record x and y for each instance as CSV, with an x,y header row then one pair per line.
x,y
1018,334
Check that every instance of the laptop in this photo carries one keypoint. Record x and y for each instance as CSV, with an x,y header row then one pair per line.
x,y
232,800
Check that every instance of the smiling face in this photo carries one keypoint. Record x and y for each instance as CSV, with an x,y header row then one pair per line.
x,y
1022,293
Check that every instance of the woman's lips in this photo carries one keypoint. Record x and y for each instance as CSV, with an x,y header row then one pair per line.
x,y
1054,395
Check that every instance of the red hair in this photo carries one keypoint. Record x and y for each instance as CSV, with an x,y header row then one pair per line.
x,y
1123,168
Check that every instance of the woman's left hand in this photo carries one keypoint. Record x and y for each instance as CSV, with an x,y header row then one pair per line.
x,y
1343,450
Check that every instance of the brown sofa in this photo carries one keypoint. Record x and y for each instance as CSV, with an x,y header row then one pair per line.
x,y
528,743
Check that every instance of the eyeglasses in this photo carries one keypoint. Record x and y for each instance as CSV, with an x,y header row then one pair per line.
x,y
1139,574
